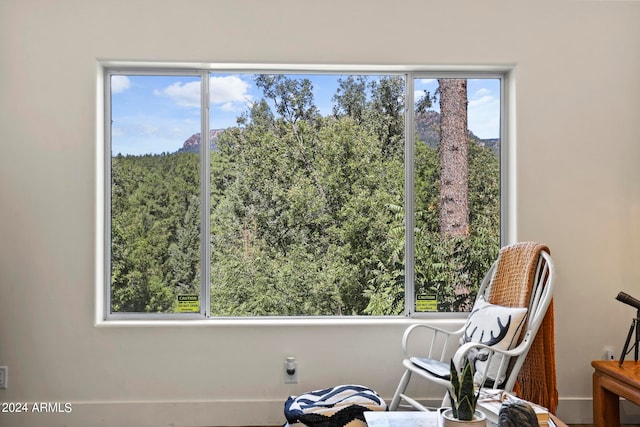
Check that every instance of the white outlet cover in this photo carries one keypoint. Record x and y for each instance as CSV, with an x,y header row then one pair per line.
x,y
4,372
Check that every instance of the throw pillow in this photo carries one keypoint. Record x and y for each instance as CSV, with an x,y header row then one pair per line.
x,y
495,326
339,406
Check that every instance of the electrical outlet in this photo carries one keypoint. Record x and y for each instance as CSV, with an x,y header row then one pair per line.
x,y
290,371
609,354
4,373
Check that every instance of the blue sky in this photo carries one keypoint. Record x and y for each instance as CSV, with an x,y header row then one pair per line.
x,y
155,114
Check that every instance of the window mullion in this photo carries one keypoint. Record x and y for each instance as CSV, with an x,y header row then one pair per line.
x,y
205,200
409,217
507,161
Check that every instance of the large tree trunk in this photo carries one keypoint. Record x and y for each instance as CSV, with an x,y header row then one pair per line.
x,y
454,192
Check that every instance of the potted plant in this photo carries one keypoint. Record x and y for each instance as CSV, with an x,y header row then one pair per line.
x,y
463,397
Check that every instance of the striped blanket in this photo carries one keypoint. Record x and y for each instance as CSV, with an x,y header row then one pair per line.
x,y
340,406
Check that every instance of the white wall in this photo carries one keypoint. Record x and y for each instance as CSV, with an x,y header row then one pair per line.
x,y
577,134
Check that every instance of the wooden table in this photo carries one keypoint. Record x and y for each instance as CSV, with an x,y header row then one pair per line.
x,y
557,422
610,382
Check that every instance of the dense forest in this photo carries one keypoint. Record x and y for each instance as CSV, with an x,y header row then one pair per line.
x,y
307,210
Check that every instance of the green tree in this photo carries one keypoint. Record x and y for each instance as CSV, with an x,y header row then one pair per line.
x,y
151,195
386,113
184,252
309,195
293,98
351,98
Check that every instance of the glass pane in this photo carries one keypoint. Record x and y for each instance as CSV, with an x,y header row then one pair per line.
x,y
307,176
155,178
457,189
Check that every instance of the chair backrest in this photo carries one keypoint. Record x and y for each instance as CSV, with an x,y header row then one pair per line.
x,y
527,281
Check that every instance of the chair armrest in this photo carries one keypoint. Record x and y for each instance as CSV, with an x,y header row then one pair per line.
x,y
514,352
517,353
439,336
464,350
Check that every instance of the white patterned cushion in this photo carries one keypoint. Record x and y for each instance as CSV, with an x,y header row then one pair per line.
x,y
339,406
495,326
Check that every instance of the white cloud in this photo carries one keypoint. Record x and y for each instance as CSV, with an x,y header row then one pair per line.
x,y
229,107
229,91
482,92
119,84
427,81
487,99
184,94
147,128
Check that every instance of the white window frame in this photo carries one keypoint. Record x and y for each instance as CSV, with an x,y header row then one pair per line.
x,y
103,177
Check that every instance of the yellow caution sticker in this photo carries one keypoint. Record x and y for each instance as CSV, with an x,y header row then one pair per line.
x,y
426,303
188,303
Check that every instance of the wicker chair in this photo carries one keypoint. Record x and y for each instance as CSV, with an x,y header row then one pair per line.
x,y
522,277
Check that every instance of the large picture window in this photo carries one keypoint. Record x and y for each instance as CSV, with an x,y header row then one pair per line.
x,y
244,194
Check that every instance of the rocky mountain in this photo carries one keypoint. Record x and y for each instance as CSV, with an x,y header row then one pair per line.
x,y
428,130
192,144
427,126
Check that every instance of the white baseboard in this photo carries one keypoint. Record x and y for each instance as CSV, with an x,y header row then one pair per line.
x,y
580,411
220,413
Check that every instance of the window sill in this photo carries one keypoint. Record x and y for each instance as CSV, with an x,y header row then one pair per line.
x,y
279,322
